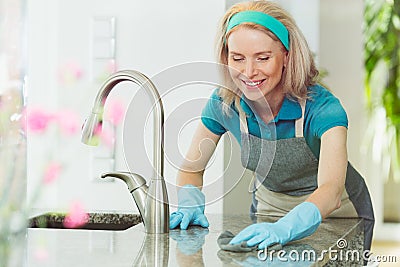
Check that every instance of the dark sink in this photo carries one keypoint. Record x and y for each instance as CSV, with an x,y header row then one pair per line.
x,y
96,221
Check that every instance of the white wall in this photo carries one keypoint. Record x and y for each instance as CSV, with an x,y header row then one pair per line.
x,y
150,37
341,54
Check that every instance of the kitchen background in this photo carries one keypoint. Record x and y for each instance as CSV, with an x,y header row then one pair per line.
x,y
73,46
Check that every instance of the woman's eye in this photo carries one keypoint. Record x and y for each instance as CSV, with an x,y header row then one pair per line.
x,y
263,58
237,58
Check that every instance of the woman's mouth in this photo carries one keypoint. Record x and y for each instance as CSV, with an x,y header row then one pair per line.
x,y
253,84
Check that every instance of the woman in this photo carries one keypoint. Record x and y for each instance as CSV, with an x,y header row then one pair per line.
x,y
292,132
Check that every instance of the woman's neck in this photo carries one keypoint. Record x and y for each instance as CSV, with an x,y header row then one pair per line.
x,y
268,107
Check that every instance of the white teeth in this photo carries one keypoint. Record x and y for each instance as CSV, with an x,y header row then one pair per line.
x,y
252,83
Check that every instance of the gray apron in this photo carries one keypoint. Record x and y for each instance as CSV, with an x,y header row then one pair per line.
x,y
285,174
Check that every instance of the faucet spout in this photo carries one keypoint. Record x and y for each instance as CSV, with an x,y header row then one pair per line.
x,y
155,213
136,185
93,124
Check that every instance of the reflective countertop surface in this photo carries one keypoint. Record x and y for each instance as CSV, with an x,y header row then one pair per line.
x,y
335,239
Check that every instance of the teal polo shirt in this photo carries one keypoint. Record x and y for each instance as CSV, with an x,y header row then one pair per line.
x,y
323,111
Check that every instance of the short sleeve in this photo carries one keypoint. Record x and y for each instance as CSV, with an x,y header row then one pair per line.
x,y
212,115
324,112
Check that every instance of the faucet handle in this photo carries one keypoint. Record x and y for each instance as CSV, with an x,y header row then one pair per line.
x,y
132,180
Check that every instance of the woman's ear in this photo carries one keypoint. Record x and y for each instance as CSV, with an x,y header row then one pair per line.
x,y
286,59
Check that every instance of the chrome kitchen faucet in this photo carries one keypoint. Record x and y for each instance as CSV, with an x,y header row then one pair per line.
x,y
151,200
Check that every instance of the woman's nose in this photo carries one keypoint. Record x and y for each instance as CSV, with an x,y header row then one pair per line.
x,y
250,69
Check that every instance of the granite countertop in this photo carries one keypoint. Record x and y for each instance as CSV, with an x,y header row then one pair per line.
x,y
193,247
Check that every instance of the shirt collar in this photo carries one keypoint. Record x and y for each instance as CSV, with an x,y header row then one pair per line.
x,y
290,110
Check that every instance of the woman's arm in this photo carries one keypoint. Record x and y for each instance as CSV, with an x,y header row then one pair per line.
x,y
331,171
200,151
191,201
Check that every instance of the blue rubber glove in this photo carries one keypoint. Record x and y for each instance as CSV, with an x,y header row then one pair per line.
x,y
300,222
190,208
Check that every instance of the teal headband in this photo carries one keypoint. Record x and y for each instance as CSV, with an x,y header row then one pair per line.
x,y
269,22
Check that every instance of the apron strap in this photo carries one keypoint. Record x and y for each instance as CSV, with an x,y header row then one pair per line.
x,y
243,122
300,121
245,129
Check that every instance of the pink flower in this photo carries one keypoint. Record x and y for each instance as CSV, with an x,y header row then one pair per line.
x,y
52,172
76,216
115,112
105,135
68,121
37,119
98,129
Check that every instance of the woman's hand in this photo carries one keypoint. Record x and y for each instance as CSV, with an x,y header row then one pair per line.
x,y
190,209
300,222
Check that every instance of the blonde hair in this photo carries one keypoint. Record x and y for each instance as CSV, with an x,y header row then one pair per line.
x,y
300,70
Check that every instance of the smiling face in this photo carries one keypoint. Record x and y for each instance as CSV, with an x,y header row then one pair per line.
x,y
256,64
